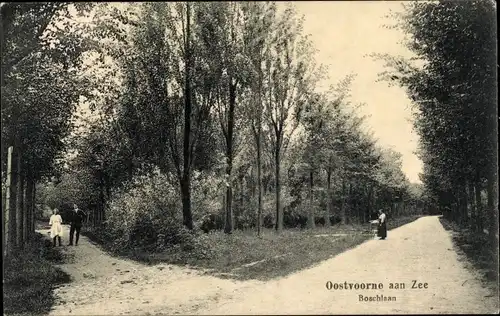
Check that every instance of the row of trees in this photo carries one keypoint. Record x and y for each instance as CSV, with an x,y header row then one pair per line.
x,y
454,89
40,89
225,91
230,88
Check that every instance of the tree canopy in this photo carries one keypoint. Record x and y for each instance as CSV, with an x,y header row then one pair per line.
x,y
453,89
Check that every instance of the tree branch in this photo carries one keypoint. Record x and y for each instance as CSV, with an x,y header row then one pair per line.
x,y
6,69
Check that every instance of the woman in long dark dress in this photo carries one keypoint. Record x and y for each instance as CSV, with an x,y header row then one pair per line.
x,y
382,226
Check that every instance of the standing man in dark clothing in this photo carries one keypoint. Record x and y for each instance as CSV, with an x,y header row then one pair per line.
x,y
77,218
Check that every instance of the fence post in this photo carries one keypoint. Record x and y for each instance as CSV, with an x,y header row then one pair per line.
x,y
7,212
19,202
28,203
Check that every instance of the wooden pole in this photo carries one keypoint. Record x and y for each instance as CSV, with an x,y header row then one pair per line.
x,y
6,234
29,207
33,206
19,202
12,201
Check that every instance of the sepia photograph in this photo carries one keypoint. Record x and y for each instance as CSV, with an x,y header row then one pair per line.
x,y
250,158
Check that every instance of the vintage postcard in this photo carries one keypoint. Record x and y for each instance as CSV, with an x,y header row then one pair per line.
x,y
249,158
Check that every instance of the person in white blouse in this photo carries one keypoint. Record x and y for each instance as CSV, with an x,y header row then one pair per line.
x,y
56,229
382,226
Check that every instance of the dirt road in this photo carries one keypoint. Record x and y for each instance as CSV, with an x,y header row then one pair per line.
x,y
420,251
105,285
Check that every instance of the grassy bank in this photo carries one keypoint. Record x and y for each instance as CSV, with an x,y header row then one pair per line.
x,y
478,250
30,277
243,255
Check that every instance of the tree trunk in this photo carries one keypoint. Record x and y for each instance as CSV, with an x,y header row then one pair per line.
x,y
223,210
228,227
229,156
259,176
33,207
25,214
328,198
492,197
186,177
19,202
392,208
107,191
94,214
27,210
251,184
458,208
369,208
310,220
354,206
342,204
360,207
349,211
492,177
461,202
473,212
479,207
259,152
465,202
279,211
244,199
102,196
186,204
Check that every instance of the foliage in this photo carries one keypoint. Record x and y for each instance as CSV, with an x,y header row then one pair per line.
x,y
40,63
145,214
478,249
452,83
200,111
30,278
139,212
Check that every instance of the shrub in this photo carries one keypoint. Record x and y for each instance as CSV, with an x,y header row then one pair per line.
x,y
208,192
137,211
206,198
147,214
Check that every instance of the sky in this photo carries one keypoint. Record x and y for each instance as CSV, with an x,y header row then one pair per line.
x,y
344,32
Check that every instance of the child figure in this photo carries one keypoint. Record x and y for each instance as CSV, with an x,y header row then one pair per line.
x,y
56,230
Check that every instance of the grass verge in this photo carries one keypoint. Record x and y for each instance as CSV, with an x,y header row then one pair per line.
x,y
478,250
30,277
243,255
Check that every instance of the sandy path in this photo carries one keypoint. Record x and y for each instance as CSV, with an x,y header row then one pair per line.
x,y
105,285
421,251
